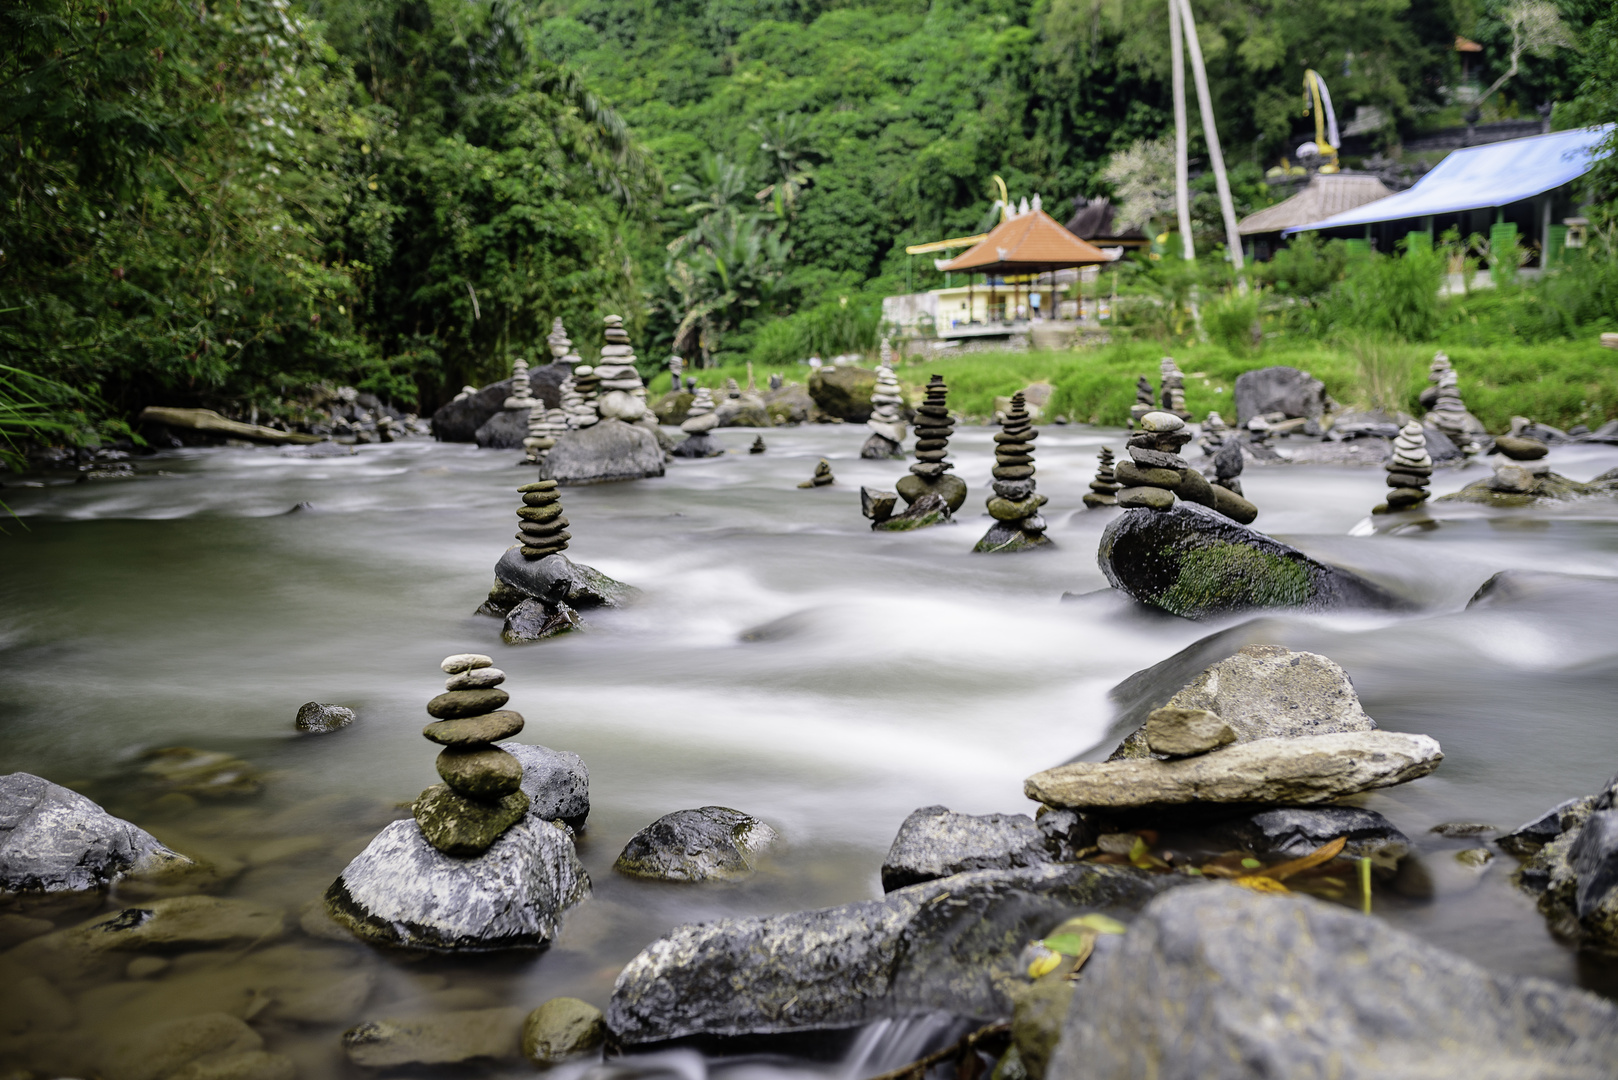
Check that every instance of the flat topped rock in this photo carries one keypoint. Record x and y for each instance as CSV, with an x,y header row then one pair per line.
x,y
935,842
53,839
603,453
1284,772
556,577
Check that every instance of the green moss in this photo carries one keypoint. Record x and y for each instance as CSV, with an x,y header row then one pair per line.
x,y
1227,577
906,524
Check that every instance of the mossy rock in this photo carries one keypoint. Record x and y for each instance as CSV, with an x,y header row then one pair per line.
x,y
1196,563
1549,488
843,392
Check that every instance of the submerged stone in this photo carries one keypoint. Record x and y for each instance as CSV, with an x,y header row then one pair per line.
x,y
558,577
707,844
561,1028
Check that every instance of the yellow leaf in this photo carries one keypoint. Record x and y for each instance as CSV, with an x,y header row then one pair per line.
x,y
1323,853
1044,965
1259,883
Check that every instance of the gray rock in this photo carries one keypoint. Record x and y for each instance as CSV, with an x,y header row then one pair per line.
x,y
1528,838
928,510
711,843
403,891
505,430
449,1038
1268,692
934,842
1279,389
1440,447
458,421
1218,983
1295,832
698,445
1195,562
1595,868
558,577
534,620
603,453
1175,732
320,719
55,840
561,1028
1287,772
843,393
556,782
950,945
877,504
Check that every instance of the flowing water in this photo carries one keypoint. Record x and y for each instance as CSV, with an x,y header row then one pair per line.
x,y
784,660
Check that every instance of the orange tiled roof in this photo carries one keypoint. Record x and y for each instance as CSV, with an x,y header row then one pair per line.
x,y
1030,243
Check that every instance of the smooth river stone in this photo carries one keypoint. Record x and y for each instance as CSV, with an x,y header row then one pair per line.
x,y
541,485
488,728
1288,772
1160,422
476,679
1185,732
460,826
1007,510
1132,475
480,772
1153,498
541,502
1157,459
457,703
465,662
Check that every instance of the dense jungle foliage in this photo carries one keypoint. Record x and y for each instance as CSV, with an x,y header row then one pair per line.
x,y
222,204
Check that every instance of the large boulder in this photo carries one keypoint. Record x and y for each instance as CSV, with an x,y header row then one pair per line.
x,y
1572,867
951,945
1279,390
459,421
789,405
556,577
602,453
1514,486
710,843
1195,562
1268,692
748,410
556,782
55,840
402,891
934,842
505,430
843,393
1219,983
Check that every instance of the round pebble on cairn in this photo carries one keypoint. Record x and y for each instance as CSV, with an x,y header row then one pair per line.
x,y
623,394
1104,488
887,422
1409,471
1144,401
1015,504
700,420
1173,388
543,529
822,476
934,425
481,796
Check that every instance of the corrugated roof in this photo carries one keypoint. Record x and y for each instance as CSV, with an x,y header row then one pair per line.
x,y
1325,196
1030,243
1479,177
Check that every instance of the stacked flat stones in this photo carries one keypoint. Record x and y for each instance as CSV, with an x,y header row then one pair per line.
x,y
522,391
699,421
887,422
1015,504
623,394
884,356
1104,488
561,345
544,425
1156,473
1214,433
1409,471
676,369
822,476
1144,402
543,529
585,384
1448,412
481,796
732,390
934,425
1173,388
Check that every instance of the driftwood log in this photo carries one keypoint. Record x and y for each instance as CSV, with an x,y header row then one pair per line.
x,y
208,420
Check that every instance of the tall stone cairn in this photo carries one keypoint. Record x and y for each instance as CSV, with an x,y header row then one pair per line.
x,y
1173,388
698,425
676,370
560,344
622,392
1409,471
1214,433
587,386
542,528
481,796
1015,504
1144,402
522,391
1448,413
934,425
887,422
1156,476
544,425
1104,488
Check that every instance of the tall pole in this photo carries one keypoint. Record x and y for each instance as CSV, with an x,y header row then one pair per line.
x,y
1233,238
1182,152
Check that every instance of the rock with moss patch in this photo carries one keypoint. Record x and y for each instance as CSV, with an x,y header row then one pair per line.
x,y
926,510
843,393
1515,485
561,1028
712,843
1195,562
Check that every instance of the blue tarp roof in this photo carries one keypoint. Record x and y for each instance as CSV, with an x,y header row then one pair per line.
x,y
1482,176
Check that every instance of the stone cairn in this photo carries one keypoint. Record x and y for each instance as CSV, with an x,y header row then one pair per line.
x,y
1155,474
758,446
700,420
543,529
776,382
887,423
623,394
522,392
1448,413
1228,465
582,411
1173,388
1104,488
1015,504
544,425
732,391
822,476
1144,401
1409,472
481,796
934,425
1214,433
676,369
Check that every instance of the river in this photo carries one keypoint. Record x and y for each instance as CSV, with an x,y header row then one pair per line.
x,y
783,660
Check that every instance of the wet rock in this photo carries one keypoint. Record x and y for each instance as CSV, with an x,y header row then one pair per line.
x,y
843,393
449,1038
1279,390
790,404
501,599
1514,486
950,945
1195,562
55,840
1234,506
749,410
1268,692
1595,869
204,773
603,453
490,727
1294,832
934,842
403,891
561,1028
1288,772
557,576
556,782
952,489
1218,983
1474,857
458,421
329,1002
1037,1013
877,505
926,510
212,1046
699,444
320,719
712,843
1527,839
533,620
178,924
505,430
1519,448
1174,732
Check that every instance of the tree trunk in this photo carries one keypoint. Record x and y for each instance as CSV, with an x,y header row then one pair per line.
x,y
1182,153
1233,238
